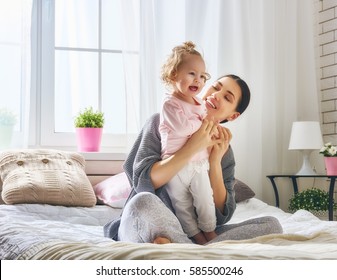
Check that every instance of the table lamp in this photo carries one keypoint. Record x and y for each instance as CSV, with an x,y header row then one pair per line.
x,y
306,136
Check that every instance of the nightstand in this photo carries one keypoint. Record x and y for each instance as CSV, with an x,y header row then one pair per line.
x,y
295,187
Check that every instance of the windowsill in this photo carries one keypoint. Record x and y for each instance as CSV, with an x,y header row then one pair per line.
x,y
103,155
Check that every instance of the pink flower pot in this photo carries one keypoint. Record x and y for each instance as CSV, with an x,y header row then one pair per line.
x,y
331,165
88,139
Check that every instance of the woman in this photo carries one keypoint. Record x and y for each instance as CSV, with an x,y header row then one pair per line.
x,y
148,215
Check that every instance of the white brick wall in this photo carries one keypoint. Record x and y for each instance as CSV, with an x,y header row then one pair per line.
x,y
327,15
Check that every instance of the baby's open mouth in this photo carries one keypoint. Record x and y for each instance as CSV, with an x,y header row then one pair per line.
x,y
193,88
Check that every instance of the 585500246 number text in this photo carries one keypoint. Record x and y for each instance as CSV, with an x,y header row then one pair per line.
x,y
209,270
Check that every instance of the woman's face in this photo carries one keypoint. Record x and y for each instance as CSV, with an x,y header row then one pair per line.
x,y
222,99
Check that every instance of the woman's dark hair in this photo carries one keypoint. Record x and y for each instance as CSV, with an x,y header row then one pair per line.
x,y
245,93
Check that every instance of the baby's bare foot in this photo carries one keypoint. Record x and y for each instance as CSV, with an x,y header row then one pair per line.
x,y
199,238
210,235
161,240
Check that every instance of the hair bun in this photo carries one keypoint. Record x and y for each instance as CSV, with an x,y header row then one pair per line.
x,y
189,46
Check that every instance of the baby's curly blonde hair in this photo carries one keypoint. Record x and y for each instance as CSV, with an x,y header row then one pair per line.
x,y
170,67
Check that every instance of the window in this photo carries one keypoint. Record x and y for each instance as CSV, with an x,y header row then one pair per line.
x,y
14,73
82,64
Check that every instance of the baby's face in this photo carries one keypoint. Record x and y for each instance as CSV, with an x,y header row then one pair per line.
x,y
191,76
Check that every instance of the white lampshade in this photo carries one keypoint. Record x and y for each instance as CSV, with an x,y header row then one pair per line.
x,y
306,137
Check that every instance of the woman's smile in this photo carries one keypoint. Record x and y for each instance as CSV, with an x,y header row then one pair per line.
x,y
210,103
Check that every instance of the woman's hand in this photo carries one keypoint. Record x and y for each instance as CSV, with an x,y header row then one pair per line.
x,y
218,150
204,136
164,170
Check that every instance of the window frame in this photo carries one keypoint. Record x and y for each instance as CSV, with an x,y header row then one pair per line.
x,y
43,84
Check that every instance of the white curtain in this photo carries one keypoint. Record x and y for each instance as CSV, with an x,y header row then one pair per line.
x,y
269,43
15,41
131,41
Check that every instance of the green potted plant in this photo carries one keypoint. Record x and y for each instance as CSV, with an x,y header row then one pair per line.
x,y
89,127
313,200
329,152
7,122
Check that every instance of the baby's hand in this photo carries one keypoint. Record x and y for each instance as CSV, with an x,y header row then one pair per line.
x,y
216,134
218,150
215,131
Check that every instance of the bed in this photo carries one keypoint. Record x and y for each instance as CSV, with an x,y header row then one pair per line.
x,y
39,231
34,231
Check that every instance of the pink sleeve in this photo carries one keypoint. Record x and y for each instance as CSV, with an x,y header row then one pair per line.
x,y
175,118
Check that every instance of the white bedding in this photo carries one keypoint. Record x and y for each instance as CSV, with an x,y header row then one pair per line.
x,y
32,231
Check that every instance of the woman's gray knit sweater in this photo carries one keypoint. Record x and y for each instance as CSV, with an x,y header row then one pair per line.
x,y
147,151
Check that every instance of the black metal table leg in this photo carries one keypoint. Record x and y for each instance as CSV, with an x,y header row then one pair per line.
x,y
331,192
293,178
275,190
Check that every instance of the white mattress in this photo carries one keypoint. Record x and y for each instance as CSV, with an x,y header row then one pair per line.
x,y
55,232
301,222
